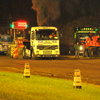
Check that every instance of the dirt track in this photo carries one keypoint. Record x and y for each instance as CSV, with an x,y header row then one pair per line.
x,y
63,67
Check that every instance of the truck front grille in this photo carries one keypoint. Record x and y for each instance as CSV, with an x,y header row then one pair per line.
x,y
47,52
47,47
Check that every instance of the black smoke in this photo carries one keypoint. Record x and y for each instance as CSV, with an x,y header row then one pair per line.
x,y
54,12
47,10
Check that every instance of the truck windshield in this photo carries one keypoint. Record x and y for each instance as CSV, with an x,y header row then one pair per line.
x,y
46,35
81,37
6,38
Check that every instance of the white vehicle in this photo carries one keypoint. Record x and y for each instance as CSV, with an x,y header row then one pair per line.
x,y
5,41
42,43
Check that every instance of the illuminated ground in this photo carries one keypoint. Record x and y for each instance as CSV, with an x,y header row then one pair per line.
x,y
63,67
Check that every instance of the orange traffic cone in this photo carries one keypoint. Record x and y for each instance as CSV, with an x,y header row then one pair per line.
x,y
77,79
27,70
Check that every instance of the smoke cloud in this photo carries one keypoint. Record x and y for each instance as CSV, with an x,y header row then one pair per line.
x,y
46,10
64,11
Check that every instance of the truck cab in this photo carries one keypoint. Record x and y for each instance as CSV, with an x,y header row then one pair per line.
x,y
44,42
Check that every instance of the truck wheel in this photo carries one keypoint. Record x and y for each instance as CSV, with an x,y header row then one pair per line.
x,y
24,53
32,55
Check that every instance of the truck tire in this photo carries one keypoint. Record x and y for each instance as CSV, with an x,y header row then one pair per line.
x,y
24,53
32,55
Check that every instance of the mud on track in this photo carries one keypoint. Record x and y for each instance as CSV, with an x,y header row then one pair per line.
x,y
63,67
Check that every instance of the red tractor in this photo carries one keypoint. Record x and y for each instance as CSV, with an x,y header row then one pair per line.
x,y
92,46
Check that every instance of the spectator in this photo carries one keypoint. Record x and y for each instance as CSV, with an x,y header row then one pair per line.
x,y
77,50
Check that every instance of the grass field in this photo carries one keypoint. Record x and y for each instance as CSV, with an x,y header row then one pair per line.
x,y
14,87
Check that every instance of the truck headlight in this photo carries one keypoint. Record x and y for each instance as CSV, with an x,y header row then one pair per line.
x,y
81,48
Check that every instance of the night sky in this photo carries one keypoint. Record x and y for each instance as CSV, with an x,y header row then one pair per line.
x,y
46,12
14,10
